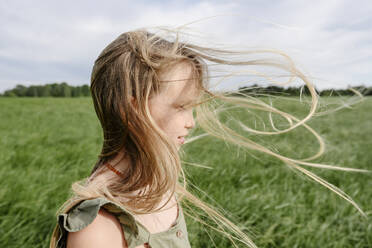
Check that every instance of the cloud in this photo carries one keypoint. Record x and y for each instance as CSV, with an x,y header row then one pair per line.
x,y
47,41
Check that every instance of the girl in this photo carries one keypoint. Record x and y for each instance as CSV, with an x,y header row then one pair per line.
x,y
145,89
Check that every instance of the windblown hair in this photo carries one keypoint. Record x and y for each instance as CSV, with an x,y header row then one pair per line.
x,y
125,76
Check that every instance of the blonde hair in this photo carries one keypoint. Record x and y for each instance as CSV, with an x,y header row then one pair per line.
x,y
128,68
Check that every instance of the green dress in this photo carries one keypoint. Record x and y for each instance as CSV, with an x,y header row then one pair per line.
x,y
83,213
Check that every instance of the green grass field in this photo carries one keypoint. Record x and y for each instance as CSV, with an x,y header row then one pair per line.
x,y
48,143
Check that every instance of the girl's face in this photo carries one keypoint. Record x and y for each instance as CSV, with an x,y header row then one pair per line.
x,y
167,107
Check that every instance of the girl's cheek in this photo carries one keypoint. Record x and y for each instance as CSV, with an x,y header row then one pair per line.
x,y
171,116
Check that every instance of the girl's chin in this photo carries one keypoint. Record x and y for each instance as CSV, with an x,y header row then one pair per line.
x,y
179,145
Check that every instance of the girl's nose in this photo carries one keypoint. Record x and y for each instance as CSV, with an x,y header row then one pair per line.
x,y
190,123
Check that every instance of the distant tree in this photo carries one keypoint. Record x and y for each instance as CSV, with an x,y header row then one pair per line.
x,y
20,90
31,91
65,90
10,93
274,89
85,90
45,91
292,91
56,90
368,91
75,91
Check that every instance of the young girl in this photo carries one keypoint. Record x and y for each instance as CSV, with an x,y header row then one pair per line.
x,y
145,89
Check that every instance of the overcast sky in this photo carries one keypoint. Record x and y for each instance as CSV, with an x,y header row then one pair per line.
x,y
53,41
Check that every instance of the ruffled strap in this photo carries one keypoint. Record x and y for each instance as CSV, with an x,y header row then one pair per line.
x,y
83,214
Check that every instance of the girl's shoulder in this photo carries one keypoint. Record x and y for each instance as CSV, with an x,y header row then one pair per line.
x,y
82,213
104,229
95,222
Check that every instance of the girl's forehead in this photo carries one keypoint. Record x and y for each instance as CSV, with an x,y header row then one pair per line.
x,y
179,83
177,72
182,90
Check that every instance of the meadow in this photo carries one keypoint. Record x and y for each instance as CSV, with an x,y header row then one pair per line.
x,y
48,143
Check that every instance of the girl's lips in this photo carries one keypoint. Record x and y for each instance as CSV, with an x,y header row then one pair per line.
x,y
181,139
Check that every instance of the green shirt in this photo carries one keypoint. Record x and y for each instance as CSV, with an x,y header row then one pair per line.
x,y
83,213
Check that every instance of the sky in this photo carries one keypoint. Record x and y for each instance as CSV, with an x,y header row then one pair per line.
x,y
57,41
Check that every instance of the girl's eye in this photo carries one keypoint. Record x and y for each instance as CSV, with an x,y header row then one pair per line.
x,y
181,108
184,106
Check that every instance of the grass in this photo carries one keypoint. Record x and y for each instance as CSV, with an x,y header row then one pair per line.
x,y
48,143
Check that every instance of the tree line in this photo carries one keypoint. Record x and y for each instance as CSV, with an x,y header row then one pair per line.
x,y
65,90
48,90
295,91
